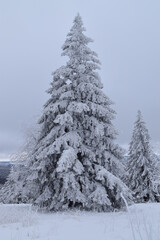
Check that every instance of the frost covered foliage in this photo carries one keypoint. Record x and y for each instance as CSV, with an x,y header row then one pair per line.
x,y
75,163
12,191
142,166
15,189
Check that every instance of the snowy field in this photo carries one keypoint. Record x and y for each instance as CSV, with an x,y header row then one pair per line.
x,y
20,222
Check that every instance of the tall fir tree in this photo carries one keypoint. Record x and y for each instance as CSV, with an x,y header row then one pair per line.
x,y
142,165
76,163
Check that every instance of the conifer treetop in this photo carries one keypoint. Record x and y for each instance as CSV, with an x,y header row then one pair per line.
x,y
75,46
140,141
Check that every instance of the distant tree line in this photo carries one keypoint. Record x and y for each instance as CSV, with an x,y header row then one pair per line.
x,y
5,168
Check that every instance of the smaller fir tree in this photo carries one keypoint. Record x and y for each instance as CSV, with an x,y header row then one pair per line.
x,y
141,166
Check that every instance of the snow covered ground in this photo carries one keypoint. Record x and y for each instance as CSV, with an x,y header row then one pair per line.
x,y
20,222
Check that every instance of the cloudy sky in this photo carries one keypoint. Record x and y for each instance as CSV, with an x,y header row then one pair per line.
x,y
126,37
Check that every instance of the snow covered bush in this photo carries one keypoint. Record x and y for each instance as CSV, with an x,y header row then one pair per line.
x,y
15,189
12,190
142,166
75,163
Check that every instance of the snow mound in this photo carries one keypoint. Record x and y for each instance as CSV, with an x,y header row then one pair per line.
x,y
142,222
17,214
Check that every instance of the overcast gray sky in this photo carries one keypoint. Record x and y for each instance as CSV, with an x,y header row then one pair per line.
x,y
126,36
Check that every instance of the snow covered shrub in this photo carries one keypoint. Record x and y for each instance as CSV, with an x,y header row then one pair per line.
x,y
12,191
15,189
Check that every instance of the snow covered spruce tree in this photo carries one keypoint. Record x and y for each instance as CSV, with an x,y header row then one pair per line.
x,y
142,166
75,163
